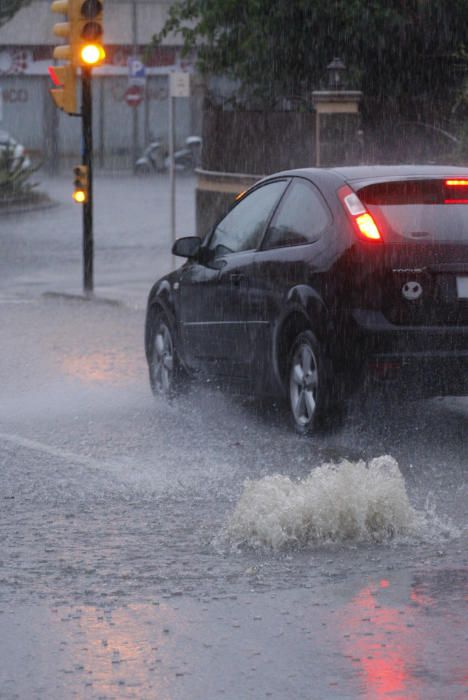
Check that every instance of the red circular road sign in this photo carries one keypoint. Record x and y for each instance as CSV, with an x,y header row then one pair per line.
x,y
133,95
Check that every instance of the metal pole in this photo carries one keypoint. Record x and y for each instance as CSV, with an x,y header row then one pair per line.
x,y
135,135
172,165
87,121
317,139
101,123
146,128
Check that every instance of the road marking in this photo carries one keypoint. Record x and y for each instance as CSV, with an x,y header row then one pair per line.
x,y
56,452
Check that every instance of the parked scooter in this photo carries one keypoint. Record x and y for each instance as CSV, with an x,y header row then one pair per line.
x,y
152,160
156,160
187,158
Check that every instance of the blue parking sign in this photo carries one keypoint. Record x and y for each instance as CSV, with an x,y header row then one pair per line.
x,y
136,72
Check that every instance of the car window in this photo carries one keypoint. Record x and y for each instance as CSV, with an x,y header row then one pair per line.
x,y
301,217
422,211
243,227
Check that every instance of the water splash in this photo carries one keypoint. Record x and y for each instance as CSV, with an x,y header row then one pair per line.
x,y
351,501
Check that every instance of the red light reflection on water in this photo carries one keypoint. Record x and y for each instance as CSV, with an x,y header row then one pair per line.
x,y
381,641
391,645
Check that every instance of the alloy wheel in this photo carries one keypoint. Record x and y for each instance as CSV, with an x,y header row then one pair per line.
x,y
303,385
162,365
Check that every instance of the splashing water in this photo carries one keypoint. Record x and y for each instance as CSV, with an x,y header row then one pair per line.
x,y
351,501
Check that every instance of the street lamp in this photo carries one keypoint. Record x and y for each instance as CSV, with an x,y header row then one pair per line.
x,y
336,105
336,72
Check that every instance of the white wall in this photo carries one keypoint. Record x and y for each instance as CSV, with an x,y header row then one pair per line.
x,y
31,117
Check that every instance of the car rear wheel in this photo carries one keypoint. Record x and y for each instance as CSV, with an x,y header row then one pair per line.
x,y
310,397
166,373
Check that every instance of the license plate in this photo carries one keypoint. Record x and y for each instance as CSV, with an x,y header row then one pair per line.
x,y
462,287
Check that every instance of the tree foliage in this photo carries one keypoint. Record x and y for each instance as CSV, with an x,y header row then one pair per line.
x,y
281,48
10,7
15,171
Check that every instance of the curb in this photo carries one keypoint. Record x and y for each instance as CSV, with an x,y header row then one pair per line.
x,y
27,208
69,296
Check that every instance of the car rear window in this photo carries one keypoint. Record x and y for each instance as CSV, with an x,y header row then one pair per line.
x,y
419,210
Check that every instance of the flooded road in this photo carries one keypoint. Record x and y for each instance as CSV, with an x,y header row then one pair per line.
x,y
199,549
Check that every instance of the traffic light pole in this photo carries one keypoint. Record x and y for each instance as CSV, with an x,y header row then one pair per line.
x,y
87,123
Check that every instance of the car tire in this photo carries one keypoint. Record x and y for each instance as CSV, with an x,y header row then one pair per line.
x,y
165,371
312,405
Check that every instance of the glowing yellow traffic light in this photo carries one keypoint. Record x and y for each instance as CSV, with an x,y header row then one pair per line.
x,y
91,51
92,54
81,182
83,28
79,196
83,32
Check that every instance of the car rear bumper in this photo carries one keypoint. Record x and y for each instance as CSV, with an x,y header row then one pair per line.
x,y
421,360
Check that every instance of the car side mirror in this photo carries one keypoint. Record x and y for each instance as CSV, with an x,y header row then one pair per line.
x,y
187,247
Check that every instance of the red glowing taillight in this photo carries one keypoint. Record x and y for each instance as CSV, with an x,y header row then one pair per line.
x,y
456,191
362,219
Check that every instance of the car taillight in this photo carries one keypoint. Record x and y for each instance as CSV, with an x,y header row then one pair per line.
x,y
457,182
361,218
456,191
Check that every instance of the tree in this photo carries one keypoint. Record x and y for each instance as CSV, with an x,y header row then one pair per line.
x,y
278,49
10,7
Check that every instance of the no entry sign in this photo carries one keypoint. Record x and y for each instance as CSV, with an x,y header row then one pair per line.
x,y
134,95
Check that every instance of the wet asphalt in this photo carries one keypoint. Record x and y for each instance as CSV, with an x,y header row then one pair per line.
x,y
117,579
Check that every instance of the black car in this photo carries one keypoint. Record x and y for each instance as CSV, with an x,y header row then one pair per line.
x,y
318,281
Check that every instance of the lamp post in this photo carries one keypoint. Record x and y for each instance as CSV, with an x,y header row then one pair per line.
x,y
336,72
335,100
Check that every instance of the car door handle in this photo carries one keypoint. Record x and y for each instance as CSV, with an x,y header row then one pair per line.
x,y
237,280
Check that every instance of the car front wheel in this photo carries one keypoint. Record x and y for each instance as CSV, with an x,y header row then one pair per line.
x,y
164,366
308,384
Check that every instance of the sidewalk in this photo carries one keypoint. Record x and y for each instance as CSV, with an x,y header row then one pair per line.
x,y
41,250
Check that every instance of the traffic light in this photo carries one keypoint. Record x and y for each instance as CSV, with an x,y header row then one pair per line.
x,y
81,183
83,31
88,48
64,92
64,77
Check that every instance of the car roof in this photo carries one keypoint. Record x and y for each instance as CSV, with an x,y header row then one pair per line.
x,y
375,173
360,175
